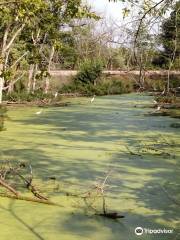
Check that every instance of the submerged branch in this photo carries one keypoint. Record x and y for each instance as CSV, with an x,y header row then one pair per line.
x,y
29,199
8,187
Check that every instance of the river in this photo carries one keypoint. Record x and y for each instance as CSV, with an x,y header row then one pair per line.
x,y
72,149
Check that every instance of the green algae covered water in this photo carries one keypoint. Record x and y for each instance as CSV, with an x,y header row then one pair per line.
x,y
72,149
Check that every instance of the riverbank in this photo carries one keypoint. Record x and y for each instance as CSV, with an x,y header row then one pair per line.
x,y
117,72
165,101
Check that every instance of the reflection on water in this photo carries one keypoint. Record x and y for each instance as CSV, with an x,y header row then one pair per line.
x,y
71,148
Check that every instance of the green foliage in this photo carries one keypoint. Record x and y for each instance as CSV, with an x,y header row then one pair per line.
x,y
66,52
103,87
27,97
170,38
90,72
33,28
48,35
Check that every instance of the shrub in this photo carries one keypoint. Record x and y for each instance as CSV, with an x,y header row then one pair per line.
x,y
166,99
24,96
103,87
90,72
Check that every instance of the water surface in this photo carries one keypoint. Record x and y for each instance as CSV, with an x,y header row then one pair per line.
x,y
78,145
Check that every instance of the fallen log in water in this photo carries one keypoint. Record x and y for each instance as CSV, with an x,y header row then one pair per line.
x,y
29,199
113,215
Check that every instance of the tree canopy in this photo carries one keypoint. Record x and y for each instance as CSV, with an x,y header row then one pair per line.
x,y
171,31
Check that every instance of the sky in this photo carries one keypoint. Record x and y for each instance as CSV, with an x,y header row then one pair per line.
x,y
109,9
114,12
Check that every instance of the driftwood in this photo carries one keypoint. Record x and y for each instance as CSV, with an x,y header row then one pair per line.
x,y
29,199
28,182
8,187
32,188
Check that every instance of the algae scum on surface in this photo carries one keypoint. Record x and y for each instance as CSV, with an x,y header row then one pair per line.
x,y
72,148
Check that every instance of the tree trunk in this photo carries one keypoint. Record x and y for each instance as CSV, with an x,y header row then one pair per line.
x,y
31,70
10,88
141,73
1,82
34,77
6,46
47,83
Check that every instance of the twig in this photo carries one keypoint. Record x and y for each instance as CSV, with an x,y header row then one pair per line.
x,y
32,188
7,186
132,153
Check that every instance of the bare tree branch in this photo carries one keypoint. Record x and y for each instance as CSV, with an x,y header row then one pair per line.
x,y
143,17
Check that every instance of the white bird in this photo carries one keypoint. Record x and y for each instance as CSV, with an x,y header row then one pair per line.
x,y
158,108
39,112
56,94
163,92
92,100
155,102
